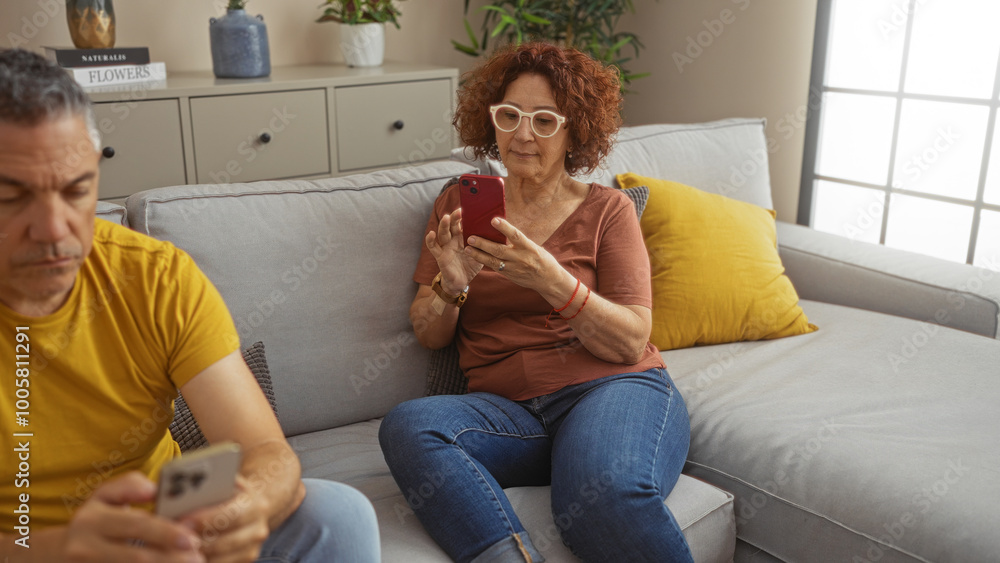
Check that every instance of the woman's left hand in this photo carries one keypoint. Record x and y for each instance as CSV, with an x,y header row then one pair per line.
x,y
531,266
520,260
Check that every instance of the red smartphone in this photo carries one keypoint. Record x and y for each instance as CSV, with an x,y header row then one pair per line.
x,y
482,199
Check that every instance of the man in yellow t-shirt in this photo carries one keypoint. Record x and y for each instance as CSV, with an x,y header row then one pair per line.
x,y
99,328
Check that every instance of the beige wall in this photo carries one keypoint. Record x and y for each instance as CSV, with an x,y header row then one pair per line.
x,y
176,31
753,60
755,64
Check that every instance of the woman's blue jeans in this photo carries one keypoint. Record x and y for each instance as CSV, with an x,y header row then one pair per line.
x,y
612,449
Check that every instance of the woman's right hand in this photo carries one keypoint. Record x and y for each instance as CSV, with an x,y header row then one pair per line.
x,y
447,245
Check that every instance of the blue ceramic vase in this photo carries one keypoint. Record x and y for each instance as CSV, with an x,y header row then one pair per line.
x,y
239,45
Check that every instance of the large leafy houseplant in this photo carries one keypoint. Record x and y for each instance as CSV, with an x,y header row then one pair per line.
x,y
587,25
353,12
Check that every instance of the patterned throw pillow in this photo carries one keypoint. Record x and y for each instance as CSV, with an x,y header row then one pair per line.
x,y
639,196
185,429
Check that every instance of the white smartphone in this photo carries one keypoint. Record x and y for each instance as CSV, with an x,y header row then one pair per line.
x,y
201,478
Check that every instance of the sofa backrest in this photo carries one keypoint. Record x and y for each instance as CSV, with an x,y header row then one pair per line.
x,y
321,272
728,157
112,212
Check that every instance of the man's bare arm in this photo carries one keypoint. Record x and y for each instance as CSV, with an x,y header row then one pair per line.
x,y
228,404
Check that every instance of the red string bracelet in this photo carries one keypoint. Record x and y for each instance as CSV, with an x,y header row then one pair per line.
x,y
563,308
581,306
571,298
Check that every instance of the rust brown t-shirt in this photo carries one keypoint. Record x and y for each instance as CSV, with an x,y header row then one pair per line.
x,y
503,343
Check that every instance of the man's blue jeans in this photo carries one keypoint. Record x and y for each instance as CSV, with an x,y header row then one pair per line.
x,y
612,450
334,524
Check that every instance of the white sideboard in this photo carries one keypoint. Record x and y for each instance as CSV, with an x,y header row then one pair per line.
x,y
299,122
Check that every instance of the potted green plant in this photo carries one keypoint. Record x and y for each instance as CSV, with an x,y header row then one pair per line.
x,y
587,25
362,28
239,43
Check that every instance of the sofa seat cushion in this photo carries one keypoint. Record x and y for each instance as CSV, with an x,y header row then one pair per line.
x,y
351,454
873,439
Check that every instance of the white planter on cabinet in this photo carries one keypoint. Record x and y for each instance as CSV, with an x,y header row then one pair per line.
x,y
363,44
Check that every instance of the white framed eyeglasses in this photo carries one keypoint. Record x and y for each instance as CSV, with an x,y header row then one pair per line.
x,y
544,123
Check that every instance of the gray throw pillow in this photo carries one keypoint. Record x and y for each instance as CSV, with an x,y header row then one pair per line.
x,y
639,196
444,376
185,429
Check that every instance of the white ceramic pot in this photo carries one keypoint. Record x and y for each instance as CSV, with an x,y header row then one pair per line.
x,y
363,44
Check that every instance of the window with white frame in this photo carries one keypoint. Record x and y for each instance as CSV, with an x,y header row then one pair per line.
x,y
903,149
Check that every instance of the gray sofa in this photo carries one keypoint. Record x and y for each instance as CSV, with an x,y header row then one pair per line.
x,y
875,438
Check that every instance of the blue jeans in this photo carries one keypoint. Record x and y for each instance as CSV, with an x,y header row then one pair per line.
x,y
334,524
612,450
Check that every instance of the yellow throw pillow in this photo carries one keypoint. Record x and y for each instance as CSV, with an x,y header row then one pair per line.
x,y
717,276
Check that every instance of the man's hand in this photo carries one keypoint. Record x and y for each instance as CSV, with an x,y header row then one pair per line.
x,y
104,527
234,530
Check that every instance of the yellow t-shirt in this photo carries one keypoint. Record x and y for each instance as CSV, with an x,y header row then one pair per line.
x,y
140,322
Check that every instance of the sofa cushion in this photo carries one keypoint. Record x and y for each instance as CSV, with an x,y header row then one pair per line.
x,y
111,212
727,157
321,271
351,454
717,276
873,439
639,196
444,374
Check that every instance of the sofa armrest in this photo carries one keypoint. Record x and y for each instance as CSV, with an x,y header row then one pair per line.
x,y
833,269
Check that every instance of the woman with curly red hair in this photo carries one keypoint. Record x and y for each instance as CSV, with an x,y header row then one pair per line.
x,y
553,334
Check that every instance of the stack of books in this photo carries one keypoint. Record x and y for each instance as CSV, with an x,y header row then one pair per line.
x,y
108,67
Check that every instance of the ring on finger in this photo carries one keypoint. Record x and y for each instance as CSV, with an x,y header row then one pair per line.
x,y
502,266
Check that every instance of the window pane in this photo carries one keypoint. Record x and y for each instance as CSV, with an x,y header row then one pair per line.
x,y
856,137
929,227
954,48
992,193
940,148
988,242
849,211
866,44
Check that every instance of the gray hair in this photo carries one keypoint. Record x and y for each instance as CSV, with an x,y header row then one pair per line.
x,y
34,90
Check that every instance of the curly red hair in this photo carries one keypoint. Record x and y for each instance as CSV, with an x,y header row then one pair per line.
x,y
587,93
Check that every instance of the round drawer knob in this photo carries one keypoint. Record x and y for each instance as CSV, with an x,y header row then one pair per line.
x,y
398,124
108,152
265,138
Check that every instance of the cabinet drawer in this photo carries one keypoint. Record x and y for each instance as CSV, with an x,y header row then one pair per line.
x,y
391,124
247,137
148,150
